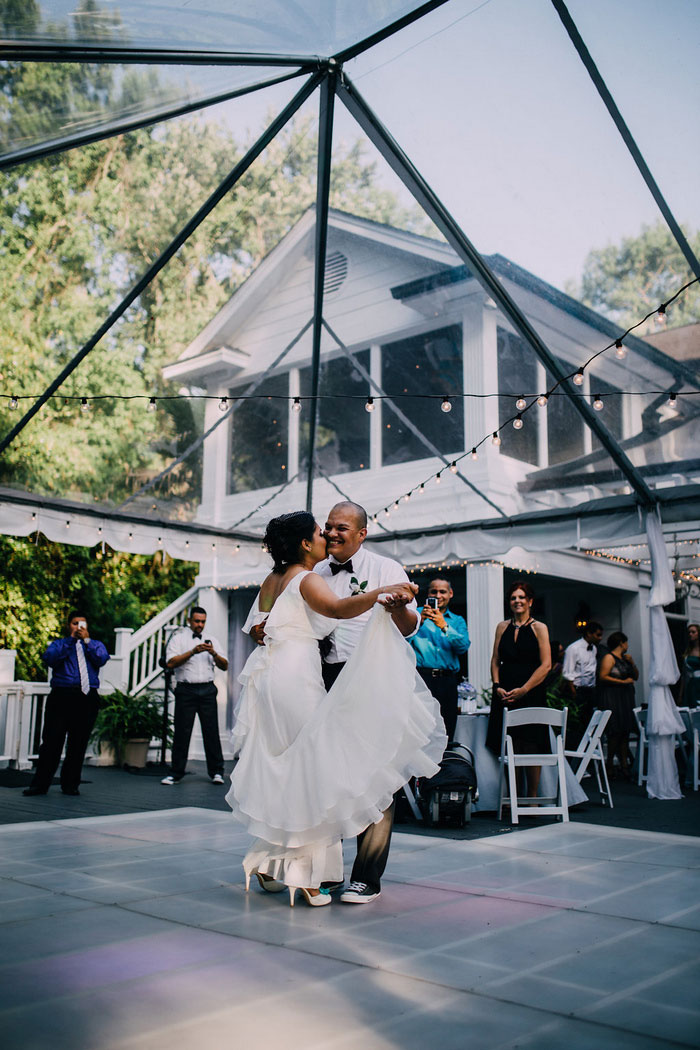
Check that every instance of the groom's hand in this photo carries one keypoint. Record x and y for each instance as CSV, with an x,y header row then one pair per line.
x,y
399,595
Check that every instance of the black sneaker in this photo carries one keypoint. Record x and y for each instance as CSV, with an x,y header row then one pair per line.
x,y
170,780
359,893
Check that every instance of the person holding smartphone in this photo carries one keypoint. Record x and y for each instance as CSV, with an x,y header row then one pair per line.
x,y
194,656
440,641
71,706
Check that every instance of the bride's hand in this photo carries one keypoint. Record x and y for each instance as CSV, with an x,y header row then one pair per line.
x,y
397,594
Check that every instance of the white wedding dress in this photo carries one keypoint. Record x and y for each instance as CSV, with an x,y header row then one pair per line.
x,y
314,767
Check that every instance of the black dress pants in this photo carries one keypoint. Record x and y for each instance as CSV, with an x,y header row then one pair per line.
x,y
444,689
194,699
68,713
374,842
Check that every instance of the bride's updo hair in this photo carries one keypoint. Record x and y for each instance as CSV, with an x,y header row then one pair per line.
x,y
283,537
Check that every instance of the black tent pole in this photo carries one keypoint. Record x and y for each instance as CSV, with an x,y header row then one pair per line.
x,y
611,106
165,257
437,212
323,182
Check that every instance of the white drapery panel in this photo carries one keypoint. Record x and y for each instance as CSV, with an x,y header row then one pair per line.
x,y
663,720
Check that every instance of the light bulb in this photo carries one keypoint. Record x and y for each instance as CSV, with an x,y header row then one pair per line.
x,y
446,405
84,406
475,454
438,479
396,505
578,378
542,400
387,512
421,488
672,400
495,440
296,405
453,468
152,405
223,404
598,403
369,407
520,404
518,422
13,403
620,350
661,314
407,497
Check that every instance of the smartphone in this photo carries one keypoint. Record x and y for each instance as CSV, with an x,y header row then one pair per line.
x,y
207,641
432,603
81,625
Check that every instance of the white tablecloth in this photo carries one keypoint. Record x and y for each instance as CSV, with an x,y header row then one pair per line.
x,y
471,731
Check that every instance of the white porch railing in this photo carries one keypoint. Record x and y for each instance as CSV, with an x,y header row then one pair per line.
x,y
21,721
136,661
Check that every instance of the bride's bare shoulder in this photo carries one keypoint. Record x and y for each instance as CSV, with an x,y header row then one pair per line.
x,y
273,586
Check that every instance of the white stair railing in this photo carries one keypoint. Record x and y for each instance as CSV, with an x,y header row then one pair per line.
x,y
141,650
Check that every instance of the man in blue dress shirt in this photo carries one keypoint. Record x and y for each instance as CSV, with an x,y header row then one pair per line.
x,y
71,706
440,641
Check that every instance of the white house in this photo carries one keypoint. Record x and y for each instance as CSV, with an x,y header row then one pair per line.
x,y
407,325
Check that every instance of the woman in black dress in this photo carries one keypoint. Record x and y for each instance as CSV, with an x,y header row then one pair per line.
x,y
616,677
520,663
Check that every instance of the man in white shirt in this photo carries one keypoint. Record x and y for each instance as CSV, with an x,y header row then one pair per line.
x,y
193,661
580,668
350,569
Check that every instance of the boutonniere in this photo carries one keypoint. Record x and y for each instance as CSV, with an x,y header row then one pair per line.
x,y
356,587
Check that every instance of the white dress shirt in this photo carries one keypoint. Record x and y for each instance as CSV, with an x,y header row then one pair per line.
x,y
378,571
580,663
201,666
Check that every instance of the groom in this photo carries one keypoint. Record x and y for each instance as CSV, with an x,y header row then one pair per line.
x,y
349,569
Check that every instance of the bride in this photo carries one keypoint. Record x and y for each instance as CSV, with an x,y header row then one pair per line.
x,y
315,767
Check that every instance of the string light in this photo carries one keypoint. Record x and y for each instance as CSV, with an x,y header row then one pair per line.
x,y
672,400
661,314
369,407
84,405
223,404
296,405
475,454
396,505
620,350
67,524
152,405
421,489
453,467
542,400
495,439
518,422
387,512
438,478
13,403
521,404
407,497
598,403
578,378
446,405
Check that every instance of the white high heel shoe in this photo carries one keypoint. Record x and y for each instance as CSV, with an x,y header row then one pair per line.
x,y
316,900
267,883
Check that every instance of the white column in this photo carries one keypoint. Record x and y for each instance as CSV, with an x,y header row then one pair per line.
x,y
479,369
375,423
484,613
215,453
216,605
293,437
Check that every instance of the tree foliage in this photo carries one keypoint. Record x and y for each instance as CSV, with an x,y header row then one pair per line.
x,y
45,580
626,281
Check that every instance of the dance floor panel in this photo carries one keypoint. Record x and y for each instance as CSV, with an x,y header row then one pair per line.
x,y
135,932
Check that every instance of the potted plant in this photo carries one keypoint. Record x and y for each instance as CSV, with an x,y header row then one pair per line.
x,y
127,724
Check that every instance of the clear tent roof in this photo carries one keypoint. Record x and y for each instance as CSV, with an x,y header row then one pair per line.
x,y
492,106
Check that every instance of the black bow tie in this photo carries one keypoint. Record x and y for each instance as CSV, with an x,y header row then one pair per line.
x,y
336,567
590,648
197,636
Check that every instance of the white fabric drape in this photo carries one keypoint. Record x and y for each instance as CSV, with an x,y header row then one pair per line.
x,y
663,720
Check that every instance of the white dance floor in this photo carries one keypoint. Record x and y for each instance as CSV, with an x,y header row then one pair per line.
x,y
135,931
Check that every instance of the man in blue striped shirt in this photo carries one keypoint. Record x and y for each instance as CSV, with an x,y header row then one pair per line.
x,y
440,641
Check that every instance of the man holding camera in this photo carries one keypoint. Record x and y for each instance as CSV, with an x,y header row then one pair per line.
x,y
71,706
440,641
193,659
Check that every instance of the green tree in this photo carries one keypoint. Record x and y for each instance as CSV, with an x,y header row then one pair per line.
x,y
626,281
46,580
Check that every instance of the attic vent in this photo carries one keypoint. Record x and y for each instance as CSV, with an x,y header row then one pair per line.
x,y
336,272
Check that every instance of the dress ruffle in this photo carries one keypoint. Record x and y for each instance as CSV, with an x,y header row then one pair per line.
x,y
376,728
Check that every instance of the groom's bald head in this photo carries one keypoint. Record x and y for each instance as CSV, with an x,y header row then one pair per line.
x,y
346,529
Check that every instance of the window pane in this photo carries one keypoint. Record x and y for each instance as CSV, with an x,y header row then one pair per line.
x,y
564,425
342,434
259,437
424,364
517,374
611,416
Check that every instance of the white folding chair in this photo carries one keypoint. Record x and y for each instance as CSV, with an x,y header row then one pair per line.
x,y
591,750
640,714
511,761
695,744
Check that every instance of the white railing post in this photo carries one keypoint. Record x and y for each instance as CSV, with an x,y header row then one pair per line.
x,y
115,673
